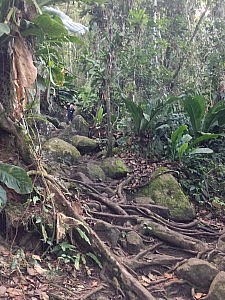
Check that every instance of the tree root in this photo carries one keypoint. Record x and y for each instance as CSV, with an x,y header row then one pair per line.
x,y
173,237
127,282
152,260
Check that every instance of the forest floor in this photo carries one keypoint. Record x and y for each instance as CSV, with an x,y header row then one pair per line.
x,y
27,271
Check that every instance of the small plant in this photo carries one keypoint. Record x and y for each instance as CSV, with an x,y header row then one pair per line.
x,y
183,143
14,178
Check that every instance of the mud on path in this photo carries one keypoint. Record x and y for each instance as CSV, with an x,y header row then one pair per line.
x,y
143,266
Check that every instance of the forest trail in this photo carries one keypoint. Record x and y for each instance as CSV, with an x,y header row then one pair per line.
x,y
143,266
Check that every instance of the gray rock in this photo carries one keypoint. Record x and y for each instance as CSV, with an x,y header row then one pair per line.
x,y
221,243
81,177
93,171
198,272
45,127
80,125
219,261
66,133
107,233
114,167
61,151
84,144
217,288
134,242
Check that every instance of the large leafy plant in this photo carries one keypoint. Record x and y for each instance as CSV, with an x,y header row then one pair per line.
x,y
202,118
145,115
14,178
203,121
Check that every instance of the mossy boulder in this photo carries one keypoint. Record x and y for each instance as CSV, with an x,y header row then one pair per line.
x,y
84,144
81,126
93,171
114,168
165,190
61,151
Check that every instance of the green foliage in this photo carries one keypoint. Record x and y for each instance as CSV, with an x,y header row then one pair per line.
x,y
201,119
203,176
195,107
183,143
3,198
83,235
14,178
69,254
95,259
214,116
4,29
146,115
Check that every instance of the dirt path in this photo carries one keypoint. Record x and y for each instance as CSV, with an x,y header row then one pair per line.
x,y
141,268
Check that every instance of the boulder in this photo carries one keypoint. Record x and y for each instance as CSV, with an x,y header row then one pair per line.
x,y
221,243
114,168
107,232
164,190
134,242
67,133
84,144
80,125
219,261
197,271
45,127
217,288
93,171
61,151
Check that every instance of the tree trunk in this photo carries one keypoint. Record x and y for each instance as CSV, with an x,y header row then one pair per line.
x,y
17,76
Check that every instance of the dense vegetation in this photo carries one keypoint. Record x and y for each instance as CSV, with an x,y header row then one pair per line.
x,y
147,75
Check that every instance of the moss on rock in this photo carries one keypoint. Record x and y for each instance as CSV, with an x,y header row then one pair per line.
x,y
93,171
84,144
61,151
114,167
165,190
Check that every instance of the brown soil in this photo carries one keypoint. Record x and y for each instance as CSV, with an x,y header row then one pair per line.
x,y
29,271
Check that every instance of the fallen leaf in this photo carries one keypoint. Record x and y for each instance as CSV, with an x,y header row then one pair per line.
x,y
168,276
14,292
44,296
199,295
2,290
36,257
39,269
31,271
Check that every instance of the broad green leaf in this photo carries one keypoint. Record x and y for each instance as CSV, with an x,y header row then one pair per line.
x,y
136,113
15,178
182,149
95,259
44,233
47,26
204,137
3,198
4,29
177,134
195,108
202,151
77,262
83,235
216,114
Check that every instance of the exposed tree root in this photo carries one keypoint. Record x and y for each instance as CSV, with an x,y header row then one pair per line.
x,y
130,286
152,260
173,237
